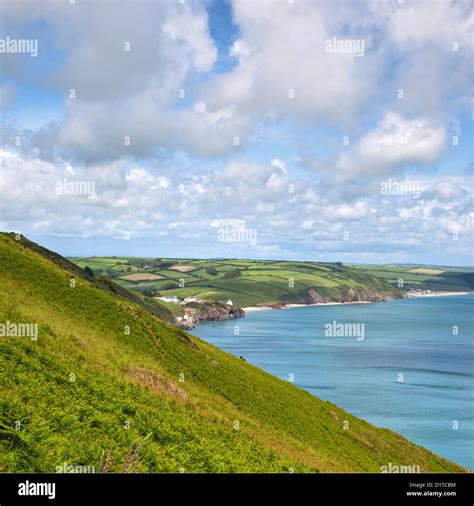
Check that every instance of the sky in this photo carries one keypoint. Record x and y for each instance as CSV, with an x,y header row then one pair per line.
x,y
280,129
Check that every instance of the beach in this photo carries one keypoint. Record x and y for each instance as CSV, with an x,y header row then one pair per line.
x,y
253,309
437,294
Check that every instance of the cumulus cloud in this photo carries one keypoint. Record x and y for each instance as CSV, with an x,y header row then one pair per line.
x,y
175,149
446,191
434,23
130,75
128,196
284,68
397,140
131,200
142,44
394,144
347,212
433,43
140,127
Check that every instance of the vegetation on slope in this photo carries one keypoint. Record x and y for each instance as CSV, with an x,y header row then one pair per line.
x,y
245,282
154,398
416,277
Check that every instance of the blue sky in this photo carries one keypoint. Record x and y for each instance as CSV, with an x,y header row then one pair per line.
x,y
224,32
239,118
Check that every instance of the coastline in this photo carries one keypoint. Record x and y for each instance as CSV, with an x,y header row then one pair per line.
x,y
436,294
253,309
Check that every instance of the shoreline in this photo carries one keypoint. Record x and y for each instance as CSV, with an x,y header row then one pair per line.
x,y
253,309
436,294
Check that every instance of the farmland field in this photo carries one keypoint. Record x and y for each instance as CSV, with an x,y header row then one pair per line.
x,y
434,278
140,277
265,282
244,282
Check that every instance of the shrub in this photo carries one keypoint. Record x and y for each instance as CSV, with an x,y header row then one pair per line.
x,y
89,271
232,273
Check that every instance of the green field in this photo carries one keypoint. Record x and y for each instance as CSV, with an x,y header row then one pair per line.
x,y
245,282
423,277
154,398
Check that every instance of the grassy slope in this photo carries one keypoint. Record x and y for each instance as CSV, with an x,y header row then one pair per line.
x,y
135,378
259,282
434,278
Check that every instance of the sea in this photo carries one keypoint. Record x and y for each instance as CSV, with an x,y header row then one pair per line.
x,y
404,364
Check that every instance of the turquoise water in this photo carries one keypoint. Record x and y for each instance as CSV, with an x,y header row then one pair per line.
x,y
409,337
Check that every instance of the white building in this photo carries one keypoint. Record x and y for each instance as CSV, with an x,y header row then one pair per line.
x,y
169,298
229,303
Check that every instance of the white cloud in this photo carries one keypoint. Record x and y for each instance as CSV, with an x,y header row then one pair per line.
x,y
141,188
395,143
347,212
116,50
283,68
144,202
436,23
127,71
446,191
95,131
433,44
397,140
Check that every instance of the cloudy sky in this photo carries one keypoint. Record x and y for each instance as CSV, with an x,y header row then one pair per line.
x,y
323,130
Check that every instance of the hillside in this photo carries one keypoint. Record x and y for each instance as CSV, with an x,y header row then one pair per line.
x,y
423,277
88,392
245,282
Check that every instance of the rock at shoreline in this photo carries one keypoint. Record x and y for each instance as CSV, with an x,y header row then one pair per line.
x,y
205,311
198,312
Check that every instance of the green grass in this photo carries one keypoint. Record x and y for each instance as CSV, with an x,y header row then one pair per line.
x,y
258,282
434,278
176,309
126,391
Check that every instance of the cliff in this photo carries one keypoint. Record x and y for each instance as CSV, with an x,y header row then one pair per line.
x,y
197,312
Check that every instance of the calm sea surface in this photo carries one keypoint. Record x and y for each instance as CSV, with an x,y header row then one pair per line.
x,y
409,373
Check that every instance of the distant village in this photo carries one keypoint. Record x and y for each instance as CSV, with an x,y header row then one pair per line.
x,y
417,292
201,310
186,300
